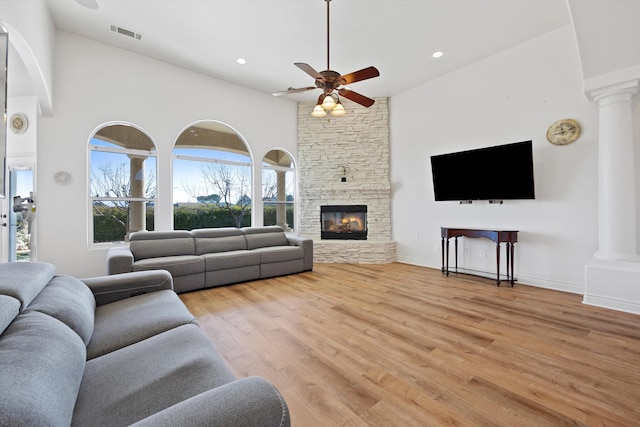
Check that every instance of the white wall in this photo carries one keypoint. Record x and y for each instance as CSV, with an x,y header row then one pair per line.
x,y
509,97
31,34
23,145
95,84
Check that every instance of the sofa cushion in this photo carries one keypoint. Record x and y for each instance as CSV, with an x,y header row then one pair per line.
x,y
24,280
251,401
9,309
211,240
130,384
41,367
181,265
152,244
131,320
232,275
189,283
231,259
69,300
279,254
259,237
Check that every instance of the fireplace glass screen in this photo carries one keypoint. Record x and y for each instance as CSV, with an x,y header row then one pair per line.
x,y
347,222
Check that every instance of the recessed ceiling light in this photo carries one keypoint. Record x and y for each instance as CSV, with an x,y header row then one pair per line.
x,y
438,54
241,61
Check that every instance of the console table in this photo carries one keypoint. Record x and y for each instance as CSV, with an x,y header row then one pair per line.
x,y
510,237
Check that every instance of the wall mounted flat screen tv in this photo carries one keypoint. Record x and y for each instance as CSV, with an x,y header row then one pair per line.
x,y
501,172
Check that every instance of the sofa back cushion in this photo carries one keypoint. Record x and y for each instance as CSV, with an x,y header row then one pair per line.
x,y
260,237
225,239
9,309
70,301
41,366
24,280
153,244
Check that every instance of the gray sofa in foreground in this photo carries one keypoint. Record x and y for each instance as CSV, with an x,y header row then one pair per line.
x,y
115,351
208,257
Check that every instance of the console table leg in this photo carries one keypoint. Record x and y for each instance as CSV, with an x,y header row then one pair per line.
x,y
442,251
447,257
456,244
512,257
498,264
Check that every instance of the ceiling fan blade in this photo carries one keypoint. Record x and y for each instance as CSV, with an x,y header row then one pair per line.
x,y
356,76
293,90
356,97
309,70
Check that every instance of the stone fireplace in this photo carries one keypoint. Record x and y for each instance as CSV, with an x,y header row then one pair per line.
x,y
345,161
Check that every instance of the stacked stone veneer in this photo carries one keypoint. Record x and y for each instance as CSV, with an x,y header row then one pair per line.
x,y
359,143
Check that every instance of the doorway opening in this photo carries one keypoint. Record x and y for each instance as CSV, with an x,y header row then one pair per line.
x,y
21,224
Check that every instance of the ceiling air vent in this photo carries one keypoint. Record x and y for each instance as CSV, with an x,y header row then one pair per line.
x,y
126,32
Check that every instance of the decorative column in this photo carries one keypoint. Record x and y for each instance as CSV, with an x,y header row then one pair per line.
x,y
612,277
137,211
616,173
281,207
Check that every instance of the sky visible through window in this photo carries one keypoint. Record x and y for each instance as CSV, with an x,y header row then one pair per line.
x,y
24,183
115,161
189,180
188,175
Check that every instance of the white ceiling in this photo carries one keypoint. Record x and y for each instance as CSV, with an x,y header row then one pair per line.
x,y
396,36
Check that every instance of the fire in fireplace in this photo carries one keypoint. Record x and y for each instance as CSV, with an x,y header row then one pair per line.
x,y
347,222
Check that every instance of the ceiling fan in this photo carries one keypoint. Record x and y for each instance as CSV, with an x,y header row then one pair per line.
x,y
329,80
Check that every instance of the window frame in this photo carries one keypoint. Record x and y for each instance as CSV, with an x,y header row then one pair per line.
x,y
215,149
292,168
91,148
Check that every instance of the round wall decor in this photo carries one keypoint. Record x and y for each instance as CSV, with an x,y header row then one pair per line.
x,y
63,177
563,132
19,123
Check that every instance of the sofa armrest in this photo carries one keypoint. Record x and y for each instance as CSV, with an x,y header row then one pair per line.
x,y
307,245
119,260
251,401
108,289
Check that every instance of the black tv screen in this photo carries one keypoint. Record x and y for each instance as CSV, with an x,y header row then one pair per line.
x,y
501,172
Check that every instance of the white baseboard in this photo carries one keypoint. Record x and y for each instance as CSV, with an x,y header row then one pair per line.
x,y
612,303
525,280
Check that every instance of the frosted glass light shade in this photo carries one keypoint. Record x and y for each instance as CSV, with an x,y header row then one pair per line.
x,y
338,110
318,111
329,103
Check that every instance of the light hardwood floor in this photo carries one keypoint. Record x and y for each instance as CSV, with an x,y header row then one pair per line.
x,y
402,345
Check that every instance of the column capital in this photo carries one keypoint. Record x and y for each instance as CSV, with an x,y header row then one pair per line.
x,y
618,82
625,89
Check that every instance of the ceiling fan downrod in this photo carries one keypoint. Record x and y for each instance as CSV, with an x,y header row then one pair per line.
x,y
328,1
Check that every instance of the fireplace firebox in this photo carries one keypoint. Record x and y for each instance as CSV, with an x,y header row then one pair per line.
x,y
347,222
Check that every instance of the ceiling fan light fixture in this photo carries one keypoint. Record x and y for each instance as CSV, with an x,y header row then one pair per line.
x,y
329,103
318,111
330,81
338,110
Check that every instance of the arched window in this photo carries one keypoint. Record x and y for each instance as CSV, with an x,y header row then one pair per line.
x,y
211,178
278,189
122,182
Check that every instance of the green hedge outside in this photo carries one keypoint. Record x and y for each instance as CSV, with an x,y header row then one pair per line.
x,y
108,225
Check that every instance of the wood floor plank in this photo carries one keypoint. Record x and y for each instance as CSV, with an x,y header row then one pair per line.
x,y
402,345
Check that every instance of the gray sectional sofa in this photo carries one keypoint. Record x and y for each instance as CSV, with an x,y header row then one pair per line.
x,y
115,351
208,257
